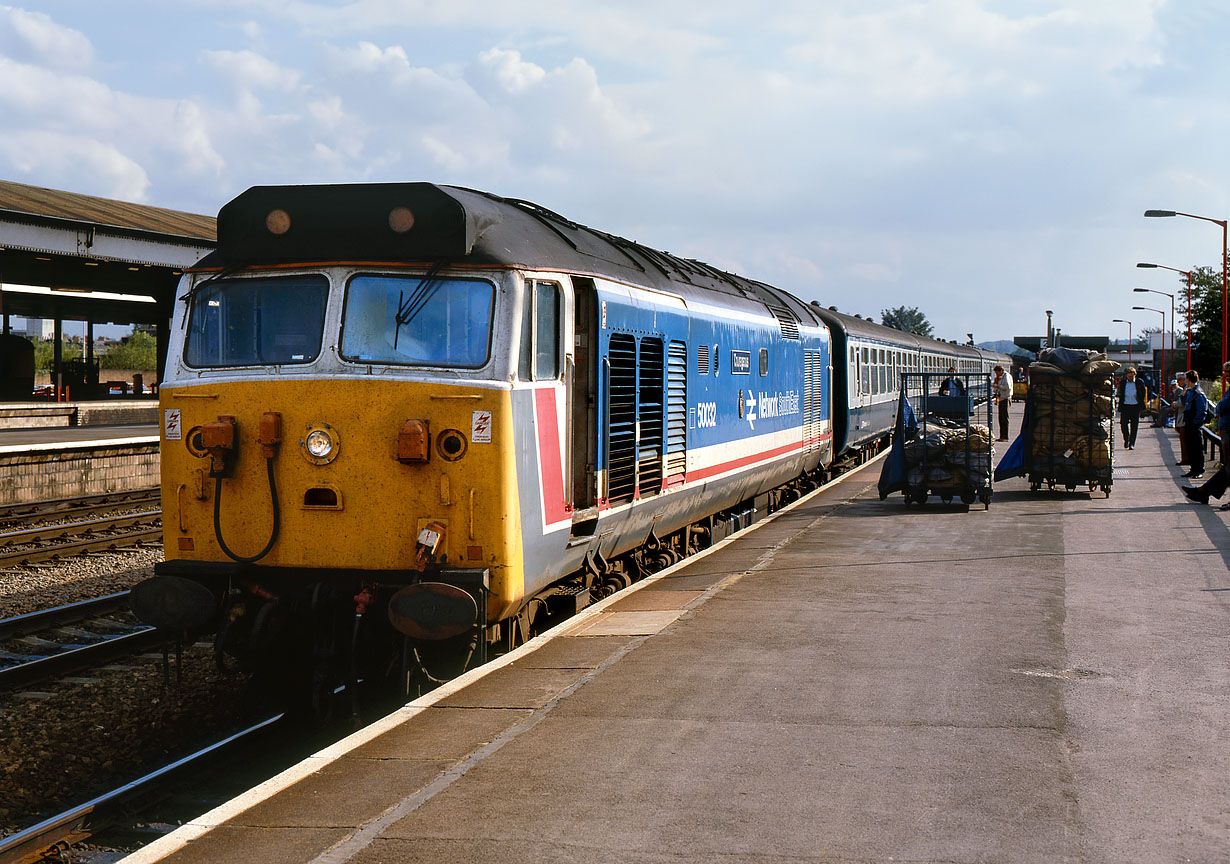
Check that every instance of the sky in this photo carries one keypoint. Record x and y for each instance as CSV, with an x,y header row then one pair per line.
x,y
981,160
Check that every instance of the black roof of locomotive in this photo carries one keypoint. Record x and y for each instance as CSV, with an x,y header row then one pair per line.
x,y
353,222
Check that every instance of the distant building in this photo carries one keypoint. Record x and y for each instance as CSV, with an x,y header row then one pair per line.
x,y
40,328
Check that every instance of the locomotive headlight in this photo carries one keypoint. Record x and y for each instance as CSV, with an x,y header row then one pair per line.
x,y
320,443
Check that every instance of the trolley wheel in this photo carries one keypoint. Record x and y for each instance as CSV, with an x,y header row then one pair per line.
x,y
1050,484
947,499
908,499
1071,487
1034,487
968,498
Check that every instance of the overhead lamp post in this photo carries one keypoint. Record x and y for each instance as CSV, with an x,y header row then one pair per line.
x,y
1187,274
1161,387
1123,320
1225,262
1172,324
1129,323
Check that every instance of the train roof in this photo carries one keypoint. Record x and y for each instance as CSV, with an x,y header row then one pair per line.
x,y
430,223
865,327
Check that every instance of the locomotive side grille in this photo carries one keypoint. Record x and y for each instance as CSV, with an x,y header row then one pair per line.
x,y
812,377
649,449
677,409
786,318
702,359
621,415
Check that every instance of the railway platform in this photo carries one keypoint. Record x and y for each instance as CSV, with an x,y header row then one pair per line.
x,y
853,680
44,462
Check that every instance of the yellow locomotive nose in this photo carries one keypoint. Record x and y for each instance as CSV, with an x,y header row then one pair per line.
x,y
377,462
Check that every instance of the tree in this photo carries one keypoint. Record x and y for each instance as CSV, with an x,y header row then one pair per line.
x,y
910,320
138,351
1205,318
44,353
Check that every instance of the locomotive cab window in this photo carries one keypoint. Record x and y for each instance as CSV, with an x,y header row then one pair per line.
x,y
540,332
256,322
417,321
764,362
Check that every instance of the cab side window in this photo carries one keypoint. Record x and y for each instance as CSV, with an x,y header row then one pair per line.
x,y
540,331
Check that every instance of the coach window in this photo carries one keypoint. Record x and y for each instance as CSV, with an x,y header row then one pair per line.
x,y
540,330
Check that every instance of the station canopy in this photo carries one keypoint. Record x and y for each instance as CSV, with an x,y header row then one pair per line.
x,y
76,257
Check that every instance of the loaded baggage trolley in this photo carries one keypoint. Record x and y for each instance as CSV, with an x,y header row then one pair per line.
x,y
1067,436
936,448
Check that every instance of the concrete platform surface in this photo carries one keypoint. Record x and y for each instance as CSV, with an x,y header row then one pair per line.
x,y
856,680
53,437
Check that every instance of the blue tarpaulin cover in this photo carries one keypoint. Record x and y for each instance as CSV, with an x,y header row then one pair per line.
x,y
1013,462
893,474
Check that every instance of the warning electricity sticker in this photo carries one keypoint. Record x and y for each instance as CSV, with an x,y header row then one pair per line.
x,y
173,430
480,427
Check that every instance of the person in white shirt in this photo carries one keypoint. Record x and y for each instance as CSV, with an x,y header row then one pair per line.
x,y
1131,400
1003,395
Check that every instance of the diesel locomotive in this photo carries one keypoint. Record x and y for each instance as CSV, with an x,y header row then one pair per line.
x,y
429,413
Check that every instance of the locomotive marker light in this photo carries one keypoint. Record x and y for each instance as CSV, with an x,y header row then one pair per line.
x,y
320,443
401,220
278,221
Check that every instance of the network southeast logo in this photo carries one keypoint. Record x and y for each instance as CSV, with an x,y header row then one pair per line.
x,y
765,406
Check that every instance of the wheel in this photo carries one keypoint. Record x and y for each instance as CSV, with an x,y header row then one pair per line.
x,y
1071,487
947,499
1050,484
968,497
1034,487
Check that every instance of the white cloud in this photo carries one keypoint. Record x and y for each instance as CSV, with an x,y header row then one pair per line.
x,y
36,38
252,71
870,153
71,161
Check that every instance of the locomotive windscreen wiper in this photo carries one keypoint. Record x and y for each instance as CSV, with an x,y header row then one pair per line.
x,y
409,307
225,272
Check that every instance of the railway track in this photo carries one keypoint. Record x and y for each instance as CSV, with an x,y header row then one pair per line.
x,y
56,642
30,545
51,837
71,508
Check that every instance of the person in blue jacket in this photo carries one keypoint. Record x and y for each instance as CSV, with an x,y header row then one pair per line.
x,y
1195,404
1216,485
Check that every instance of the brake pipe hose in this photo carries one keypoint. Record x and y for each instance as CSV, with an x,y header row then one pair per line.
x,y
277,520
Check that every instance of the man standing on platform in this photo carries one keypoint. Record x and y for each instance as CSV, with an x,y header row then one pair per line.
x,y
1003,395
1131,399
1194,407
1216,485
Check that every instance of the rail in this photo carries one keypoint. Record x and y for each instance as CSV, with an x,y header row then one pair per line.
x,y
53,835
76,506
1212,441
116,640
134,528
